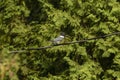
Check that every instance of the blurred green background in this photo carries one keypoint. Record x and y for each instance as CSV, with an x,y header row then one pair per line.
x,y
33,23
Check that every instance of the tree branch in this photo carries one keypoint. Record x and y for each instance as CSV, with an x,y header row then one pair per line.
x,y
67,43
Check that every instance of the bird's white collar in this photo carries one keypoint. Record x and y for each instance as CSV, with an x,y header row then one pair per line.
x,y
62,36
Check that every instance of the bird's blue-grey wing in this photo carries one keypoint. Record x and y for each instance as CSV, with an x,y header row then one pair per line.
x,y
58,39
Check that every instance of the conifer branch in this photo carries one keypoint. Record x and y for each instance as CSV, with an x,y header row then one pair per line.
x,y
67,43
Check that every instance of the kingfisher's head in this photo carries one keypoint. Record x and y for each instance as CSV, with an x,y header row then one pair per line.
x,y
62,34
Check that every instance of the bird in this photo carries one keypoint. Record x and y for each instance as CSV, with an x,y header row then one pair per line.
x,y
58,39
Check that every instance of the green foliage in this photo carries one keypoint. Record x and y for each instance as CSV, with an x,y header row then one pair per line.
x,y
34,23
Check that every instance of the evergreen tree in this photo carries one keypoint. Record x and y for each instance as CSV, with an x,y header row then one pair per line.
x,y
34,23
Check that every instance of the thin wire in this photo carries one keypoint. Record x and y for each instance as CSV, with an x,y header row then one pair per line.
x,y
67,43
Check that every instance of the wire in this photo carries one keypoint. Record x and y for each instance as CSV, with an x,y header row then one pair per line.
x,y
67,43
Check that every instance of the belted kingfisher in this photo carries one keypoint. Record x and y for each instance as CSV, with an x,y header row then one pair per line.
x,y
58,39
